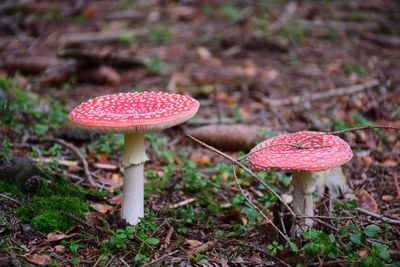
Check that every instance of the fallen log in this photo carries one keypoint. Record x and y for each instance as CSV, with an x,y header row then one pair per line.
x,y
76,39
91,58
230,137
30,64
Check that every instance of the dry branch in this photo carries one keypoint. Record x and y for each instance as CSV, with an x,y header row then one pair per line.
x,y
377,216
294,100
285,17
321,25
30,64
91,58
78,154
77,39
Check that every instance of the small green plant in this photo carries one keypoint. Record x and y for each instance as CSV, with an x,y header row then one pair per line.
x,y
155,65
23,110
230,11
127,37
6,149
108,143
275,247
160,35
354,68
294,33
121,237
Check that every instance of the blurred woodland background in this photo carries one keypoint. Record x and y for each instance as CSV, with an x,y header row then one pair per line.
x,y
258,68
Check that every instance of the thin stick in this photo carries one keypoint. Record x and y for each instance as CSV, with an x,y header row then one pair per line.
x,y
80,156
183,203
294,100
244,167
160,258
259,210
282,144
377,216
124,262
11,199
369,127
396,183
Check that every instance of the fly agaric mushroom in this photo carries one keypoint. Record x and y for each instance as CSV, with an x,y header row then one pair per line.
x,y
302,153
133,114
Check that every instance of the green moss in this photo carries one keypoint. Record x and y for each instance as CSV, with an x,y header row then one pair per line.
x,y
44,210
9,187
46,213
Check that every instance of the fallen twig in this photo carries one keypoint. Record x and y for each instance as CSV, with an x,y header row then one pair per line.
x,y
377,216
294,100
76,39
202,248
160,258
183,203
396,183
78,154
325,25
284,18
11,199
368,127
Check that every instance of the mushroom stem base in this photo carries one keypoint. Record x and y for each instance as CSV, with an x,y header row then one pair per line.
x,y
133,194
303,188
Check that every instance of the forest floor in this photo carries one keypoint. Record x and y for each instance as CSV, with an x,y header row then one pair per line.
x,y
277,65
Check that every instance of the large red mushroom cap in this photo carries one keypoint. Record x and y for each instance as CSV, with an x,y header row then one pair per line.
x,y
134,112
332,152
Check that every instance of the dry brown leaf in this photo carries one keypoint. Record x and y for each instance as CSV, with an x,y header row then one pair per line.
x,y
232,137
89,11
117,200
55,236
203,53
101,208
41,260
367,201
362,252
194,243
116,181
201,159
59,249
102,158
387,198
390,163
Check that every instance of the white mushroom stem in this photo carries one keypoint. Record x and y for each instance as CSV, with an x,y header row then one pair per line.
x,y
303,188
133,160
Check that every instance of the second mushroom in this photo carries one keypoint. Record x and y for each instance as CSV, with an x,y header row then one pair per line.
x,y
302,153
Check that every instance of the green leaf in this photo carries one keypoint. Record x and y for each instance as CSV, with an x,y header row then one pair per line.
x,y
367,261
372,230
380,250
356,239
152,241
294,247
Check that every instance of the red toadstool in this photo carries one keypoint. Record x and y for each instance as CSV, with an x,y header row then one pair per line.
x,y
302,153
133,114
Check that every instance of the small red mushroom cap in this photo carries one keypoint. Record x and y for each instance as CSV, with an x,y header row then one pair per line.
x,y
275,153
134,112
